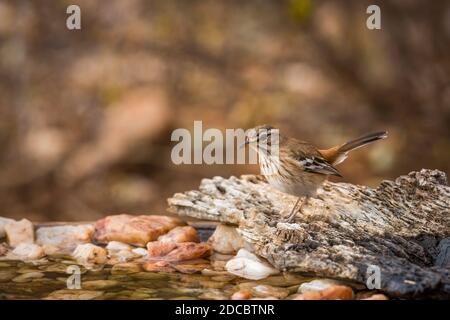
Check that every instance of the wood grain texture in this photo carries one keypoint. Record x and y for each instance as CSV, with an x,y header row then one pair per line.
x,y
400,227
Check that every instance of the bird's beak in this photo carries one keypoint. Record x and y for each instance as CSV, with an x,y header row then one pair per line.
x,y
247,141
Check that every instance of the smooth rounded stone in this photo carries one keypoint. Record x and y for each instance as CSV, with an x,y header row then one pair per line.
x,y
140,252
27,251
213,295
270,291
89,255
150,276
226,240
59,239
331,293
158,266
376,297
67,294
135,230
125,268
121,257
317,285
120,252
6,275
99,284
242,295
18,232
180,234
27,277
159,249
249,266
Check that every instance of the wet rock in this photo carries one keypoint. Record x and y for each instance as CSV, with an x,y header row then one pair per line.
x,y
180,234
209,272
331,293
249,266
242,295
159,249
226,240
376,297
89,254
99,284
318,284
135,230
191,266
178,251
67,294
63,239
284,280
218,260
6,275
188,251
150,276
213,294
119,252
118,246
140,252
226,278
125,268
27,277
18,232
266,291
27,251
3,223
158,266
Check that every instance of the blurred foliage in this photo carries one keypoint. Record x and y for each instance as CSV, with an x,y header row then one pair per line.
x,y
86,116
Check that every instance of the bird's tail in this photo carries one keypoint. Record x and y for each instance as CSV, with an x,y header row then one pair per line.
x,y
362,141
338,154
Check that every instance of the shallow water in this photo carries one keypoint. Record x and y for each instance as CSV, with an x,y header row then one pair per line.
x,y
47,279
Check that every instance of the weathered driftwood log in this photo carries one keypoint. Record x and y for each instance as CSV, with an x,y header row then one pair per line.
x,y
399,227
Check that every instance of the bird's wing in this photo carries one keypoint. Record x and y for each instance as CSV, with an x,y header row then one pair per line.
x,y
310,159
318,165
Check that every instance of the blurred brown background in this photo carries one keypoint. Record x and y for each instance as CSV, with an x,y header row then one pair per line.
x,y
86,116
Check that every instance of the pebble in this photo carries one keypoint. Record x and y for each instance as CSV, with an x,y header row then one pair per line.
x,y
27,277
67,294
376,297
331,293
249,266
180,234
27,251
242,295
89,254
125,268
317,285
150,276
18,232
99,284
226,240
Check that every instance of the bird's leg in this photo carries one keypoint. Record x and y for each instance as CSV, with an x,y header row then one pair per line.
x,y
293,213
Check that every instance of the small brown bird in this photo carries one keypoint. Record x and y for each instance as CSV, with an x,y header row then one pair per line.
x,y
298,167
